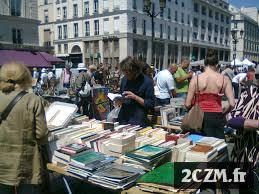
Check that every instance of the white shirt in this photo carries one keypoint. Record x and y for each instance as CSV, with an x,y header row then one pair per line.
x,y
239,78
165,83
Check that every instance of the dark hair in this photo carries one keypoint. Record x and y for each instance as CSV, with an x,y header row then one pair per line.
x,y
131,65
211,58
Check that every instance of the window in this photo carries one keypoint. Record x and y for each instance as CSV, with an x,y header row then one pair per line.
x,y
182,4
106,25
96,7
221,41
46,16
64,12
182,20
87,28
15,6
65,31
75,10
116,4
235,25
116,24
169,33
17,36
169,13
134,5
188,36
216,15
45,2
86,7
227,20
182,35
195,35
106,5
175,34
226,42
96,27
195,22
196,7
75,30
59,48
161,30
202,36
209,38
221,30
176,2
58,13
215,40
161,13
59,32
222,18
144,27
216,28
188,19
65,48
134,25
209,27
203,10
210,13
227,32
203,25
176,16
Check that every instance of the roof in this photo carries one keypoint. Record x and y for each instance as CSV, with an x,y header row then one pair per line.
x,y
30,59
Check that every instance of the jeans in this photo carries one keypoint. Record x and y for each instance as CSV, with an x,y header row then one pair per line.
x,y
163,102
21,189
181,95
236,89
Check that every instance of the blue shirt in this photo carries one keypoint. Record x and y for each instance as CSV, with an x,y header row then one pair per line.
x,y
131,111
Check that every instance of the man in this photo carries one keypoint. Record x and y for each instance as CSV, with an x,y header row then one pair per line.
x,y
228,72
182,78
239,78
165,84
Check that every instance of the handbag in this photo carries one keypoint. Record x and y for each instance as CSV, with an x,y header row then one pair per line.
x,y
10,106
193,120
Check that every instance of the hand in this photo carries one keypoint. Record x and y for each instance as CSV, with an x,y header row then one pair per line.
x,y
130,95
190,74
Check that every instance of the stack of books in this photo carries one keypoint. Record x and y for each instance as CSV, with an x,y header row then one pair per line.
x,y
116,176
148,156
63,156
85,163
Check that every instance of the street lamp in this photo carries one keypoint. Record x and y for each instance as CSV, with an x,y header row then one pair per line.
x,y
149,8
234,33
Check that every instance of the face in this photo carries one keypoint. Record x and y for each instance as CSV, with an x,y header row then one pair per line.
x,y
185,64
174,69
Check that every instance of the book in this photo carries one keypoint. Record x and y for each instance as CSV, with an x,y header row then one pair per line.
x,y
87,157
74,148
122,138
201,148
147,152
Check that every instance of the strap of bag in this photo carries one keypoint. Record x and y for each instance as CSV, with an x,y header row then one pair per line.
x,y
222,85
10,106
197,91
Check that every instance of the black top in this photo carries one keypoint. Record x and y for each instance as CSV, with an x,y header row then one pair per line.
x,y
131,111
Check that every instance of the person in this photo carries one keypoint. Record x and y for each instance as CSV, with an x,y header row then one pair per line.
x,y
228,72
66,76
147,70
181,78
250,76
236,81
35,74
21,133
98,76
208,89
165,83
138,91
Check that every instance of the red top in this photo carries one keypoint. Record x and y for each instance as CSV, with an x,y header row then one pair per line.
x,y
210,102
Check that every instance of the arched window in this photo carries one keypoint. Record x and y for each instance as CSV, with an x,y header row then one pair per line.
x,y
76,49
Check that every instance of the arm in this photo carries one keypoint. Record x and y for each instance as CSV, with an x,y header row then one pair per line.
x,y
230,96
40,121
183,78
191,92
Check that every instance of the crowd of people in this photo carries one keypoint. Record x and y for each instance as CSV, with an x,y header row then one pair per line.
x,y
24,128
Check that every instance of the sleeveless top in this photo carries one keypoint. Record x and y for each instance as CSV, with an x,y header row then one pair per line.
x,y
209,102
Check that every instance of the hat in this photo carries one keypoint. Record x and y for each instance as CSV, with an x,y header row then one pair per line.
x,y
43,70
81,66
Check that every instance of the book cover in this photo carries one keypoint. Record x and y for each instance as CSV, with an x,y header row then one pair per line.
x,y
87,157
74,148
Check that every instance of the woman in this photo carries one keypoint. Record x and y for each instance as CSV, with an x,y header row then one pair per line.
x,y
20,133
208,89
138,91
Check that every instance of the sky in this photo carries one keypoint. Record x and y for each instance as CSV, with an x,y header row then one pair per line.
x,y
245,3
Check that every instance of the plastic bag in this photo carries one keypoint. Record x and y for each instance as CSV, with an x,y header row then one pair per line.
x,y
113,115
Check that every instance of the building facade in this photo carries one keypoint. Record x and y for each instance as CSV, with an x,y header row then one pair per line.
x,y
19,24
246,19
107,31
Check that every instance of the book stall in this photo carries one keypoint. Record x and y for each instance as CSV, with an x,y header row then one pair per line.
x,y
123,158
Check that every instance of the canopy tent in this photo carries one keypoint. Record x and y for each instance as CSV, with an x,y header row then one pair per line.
x,y
237,62
30,59
248,63
197,63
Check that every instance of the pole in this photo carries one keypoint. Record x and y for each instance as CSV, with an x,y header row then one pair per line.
x,y
153,31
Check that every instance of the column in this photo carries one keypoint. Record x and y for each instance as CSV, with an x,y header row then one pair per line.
x,y
149,50
165,65
179,54
101,51
191,50
111,46
83,52
123,42
199,54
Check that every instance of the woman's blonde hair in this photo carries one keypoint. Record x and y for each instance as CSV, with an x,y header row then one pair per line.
x,y
14,73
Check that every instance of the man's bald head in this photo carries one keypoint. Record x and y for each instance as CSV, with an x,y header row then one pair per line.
x,y
172,68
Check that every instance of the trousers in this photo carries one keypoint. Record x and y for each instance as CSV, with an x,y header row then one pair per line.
x,y
21,189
